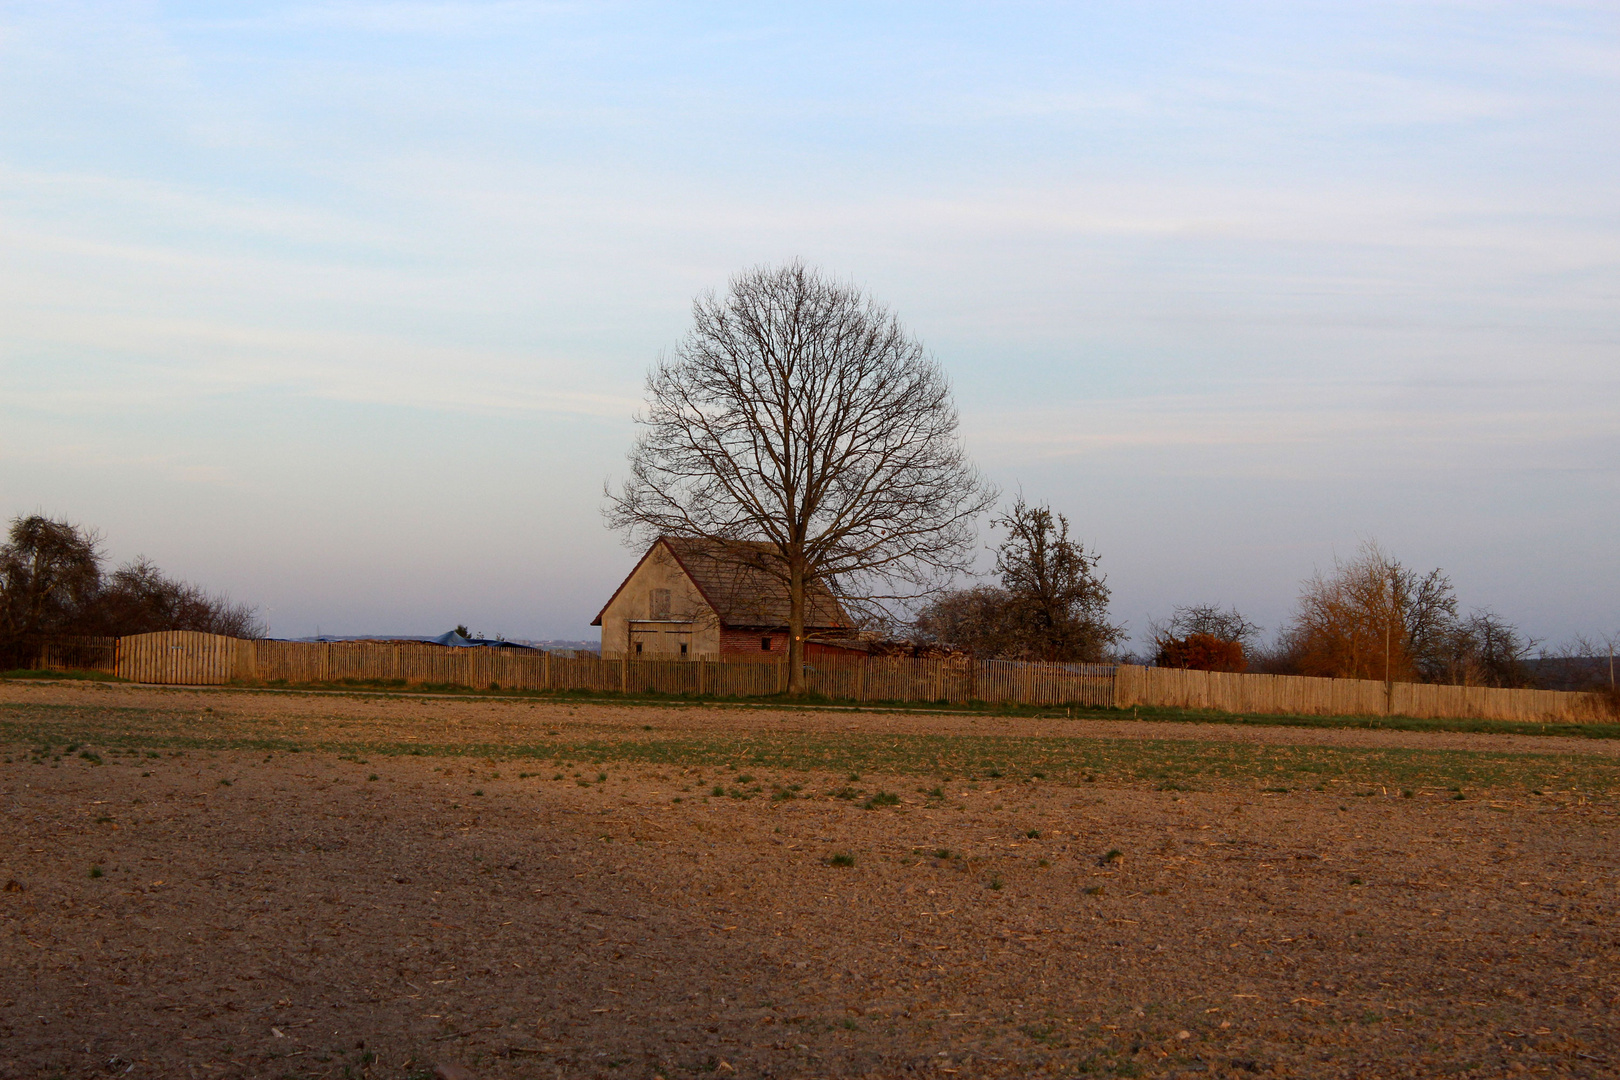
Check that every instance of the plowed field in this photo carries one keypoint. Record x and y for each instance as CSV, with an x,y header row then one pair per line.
x,y
222,884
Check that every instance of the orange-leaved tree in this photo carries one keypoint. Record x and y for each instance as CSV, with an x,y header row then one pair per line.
x,y
1204,637
1373,618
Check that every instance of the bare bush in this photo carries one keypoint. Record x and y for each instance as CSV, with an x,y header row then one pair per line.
x,y
139,598
1373,618
1051,605
980,620
1204,637
1200,652
52,583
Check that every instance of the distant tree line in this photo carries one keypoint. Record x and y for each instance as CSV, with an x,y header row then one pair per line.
x,y
1369,617
1372,617
54,582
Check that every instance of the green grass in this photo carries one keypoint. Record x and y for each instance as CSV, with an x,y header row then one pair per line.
x,y
1170,765
49,673
1060,712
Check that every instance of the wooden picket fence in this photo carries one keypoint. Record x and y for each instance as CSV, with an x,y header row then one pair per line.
x,y
1303,695
52,653
182,658
186,658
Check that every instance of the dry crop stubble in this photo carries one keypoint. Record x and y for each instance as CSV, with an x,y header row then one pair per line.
x,y
586,904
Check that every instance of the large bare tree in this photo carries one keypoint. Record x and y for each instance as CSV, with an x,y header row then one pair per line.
x,y
799,414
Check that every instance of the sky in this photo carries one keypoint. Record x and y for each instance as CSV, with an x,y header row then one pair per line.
x,y
345,308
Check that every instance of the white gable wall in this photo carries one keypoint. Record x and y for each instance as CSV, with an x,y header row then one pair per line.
x,y
629,618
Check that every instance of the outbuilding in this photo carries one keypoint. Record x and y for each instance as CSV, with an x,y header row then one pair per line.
x,y
715,600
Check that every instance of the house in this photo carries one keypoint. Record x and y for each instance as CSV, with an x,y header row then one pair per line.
x,y
713,600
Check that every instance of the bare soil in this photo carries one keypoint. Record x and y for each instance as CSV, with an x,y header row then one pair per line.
x,y
196,899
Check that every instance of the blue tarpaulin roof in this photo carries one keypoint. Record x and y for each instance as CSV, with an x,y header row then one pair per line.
x,y
456,640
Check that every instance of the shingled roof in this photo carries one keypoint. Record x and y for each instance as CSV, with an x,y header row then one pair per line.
x,y
734,576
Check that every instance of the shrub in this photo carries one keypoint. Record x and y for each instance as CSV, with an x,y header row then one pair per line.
x,y
1201,652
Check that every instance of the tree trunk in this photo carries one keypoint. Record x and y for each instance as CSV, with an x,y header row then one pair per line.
x,y
795,627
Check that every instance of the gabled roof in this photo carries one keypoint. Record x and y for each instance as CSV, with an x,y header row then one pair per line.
x,y
735,578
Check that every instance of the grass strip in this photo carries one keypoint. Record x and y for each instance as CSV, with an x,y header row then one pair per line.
x,y
1152,714
75,675
1168,764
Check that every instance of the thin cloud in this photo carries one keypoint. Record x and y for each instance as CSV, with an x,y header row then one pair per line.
x,y
1392,422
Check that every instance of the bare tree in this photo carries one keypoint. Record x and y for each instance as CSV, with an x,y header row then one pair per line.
x,y
982,620
1373,618
1485,649
1052,604
1224,624
1060,600
800,415
50,573
139,598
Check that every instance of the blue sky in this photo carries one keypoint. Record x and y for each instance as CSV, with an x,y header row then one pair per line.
x,y
345,307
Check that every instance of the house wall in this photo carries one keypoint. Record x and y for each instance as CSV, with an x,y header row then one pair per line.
x,y
749,644
628,617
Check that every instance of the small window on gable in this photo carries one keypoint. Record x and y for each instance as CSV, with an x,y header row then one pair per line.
x,y
658,604
638,648
765,644
683,648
